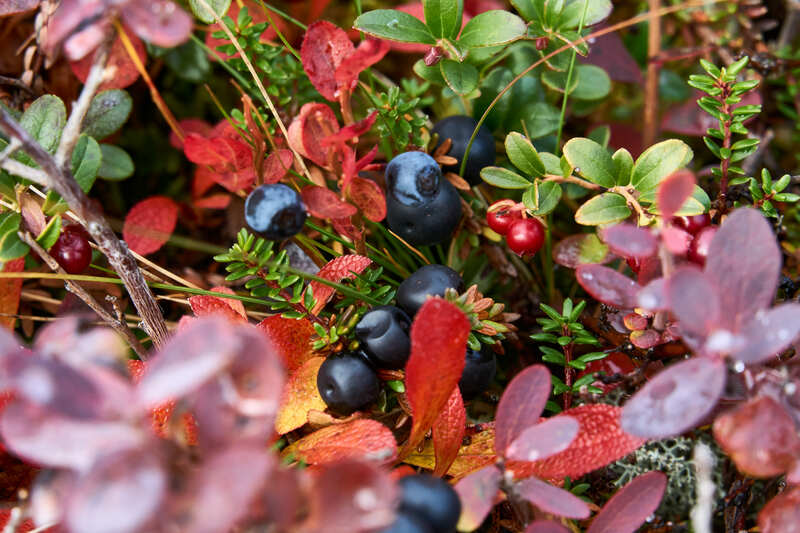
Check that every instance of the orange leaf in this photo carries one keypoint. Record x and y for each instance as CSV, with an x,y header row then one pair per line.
x,y
10,290
291,337
359,439
448,432
471,457
438,347
343,267
149,224
300,395
203,305
368,197
161,415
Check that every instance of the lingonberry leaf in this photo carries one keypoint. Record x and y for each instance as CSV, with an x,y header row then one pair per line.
x,y
546,526
10,292
580,249
477,493
627,240
291,338
338,269
520,406
368,197
768,334
631,505
552,499
544,439
744,262
760,436
276,165
674,191
149,224
600,441
300,395
782,513
676,400
694,301
325,46
361,439
322,202
160,22
448,432
473,456
126,72
314,123
607,285
438,344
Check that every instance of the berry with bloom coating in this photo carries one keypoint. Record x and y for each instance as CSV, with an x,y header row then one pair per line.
x,y
275,211
459,129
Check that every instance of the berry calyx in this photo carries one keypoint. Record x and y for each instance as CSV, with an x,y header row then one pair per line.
x,y
500,219
347,383
72,250
525,236
698,249
275,211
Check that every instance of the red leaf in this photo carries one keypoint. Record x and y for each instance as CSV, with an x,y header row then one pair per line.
x,y
607,285
477,493
314,122
631,505
676,400
291,338
782,513
369,52
610,53
438,347
676,240
202,181
674,191
552,499
448,432
322,202
520,406
161,415
546,526
344,226
627,240
160,22
189,125
600,441
543,440
230,158
760,437
214,201
368,197
343,267
580,249
126,72
694,301
360,439
350,132
149,224
300,395
277,165
325,46
10,291
203,305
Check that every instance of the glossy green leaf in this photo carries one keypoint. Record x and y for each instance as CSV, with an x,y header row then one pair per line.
x,y
107,113
605,208
528,9
220,7
591,161
658,162
86,160
596,11
623,165
116,164
504,178
523,155
11,247
462,78
540,119
443,17
593,83
542,197
50,233
492,28
432,74
557,81
394,25
601,135
44,119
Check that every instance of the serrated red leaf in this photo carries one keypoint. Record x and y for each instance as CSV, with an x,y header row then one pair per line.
x,y
344,226
438,347
322,202
325,46
338,269
477,493
300,395
627,240
360,439
520,406
368,197
126,72
782,513
607,285
552,499
291,337
277,165
149,224
600,441
203,305
674,191
315,122
631,505
448,432
10,291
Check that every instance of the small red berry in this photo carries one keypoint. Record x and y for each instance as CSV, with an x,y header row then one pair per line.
x,y
501,219
72,250
692,224
698,249
525,236
614,363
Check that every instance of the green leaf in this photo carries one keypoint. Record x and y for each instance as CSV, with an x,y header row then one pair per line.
x,y
189,62
557,81
116,164
603,209
50,233
737,66
462,78
432,74
697,204
492,28
593,83
540,119
527,9
552,163
552,12
11,247
601,135
523,155
542,197
443,17
623,164
504,178
394,25
220,7
44,119
86,160
596,11
658,162
591,161
107,113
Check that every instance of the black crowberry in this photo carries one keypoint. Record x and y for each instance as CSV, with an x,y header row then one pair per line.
x,y
459,129
479,369
406,522
430,280
383,333
275,211
347,383
432,499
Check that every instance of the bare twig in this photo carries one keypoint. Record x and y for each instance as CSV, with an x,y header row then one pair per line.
x,y
25,172
704,467
651,83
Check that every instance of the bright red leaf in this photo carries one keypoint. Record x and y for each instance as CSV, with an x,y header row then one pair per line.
x,y
190,125
360,439
477,493
674,191
520,406
203,305
149,224
552,499
607,285
315,122
277,164
230,158
368,197
291,338
338,269
448,432
782,513
631,505
322,202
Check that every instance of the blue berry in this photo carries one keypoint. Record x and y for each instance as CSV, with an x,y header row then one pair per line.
x,y
430,280
347,383
431,499
275,211
459,129
406,522
479,370
383,333
413,178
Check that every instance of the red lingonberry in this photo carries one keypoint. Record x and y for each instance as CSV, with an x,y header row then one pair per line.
x,y
525,236
72,250
501,219
698,249
614,363
692,224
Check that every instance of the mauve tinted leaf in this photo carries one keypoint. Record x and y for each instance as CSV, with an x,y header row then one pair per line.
x,y
161,22
448,432
627,240
675,400
769,333
67,18
281,506
49,494
520,406
676,240
580,249
760,436
360,439
631,505
477,493
543,440
546,526
438,344
744,262
694,301
12,7
782,513
607,285
325,46
121,493
673,192
552,499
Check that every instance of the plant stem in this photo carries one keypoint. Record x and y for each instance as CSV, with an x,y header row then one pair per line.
x,y
569,80
727,111
650,129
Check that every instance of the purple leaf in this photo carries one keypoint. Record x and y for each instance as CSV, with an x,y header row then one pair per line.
x,y
161,22
627,240
121,493
673,192
744,262
694,301
608,286
631,505
69,17
676,240
581,249
543,440
546,526
520,406
653,296
675,400
552,499
769,333
477,493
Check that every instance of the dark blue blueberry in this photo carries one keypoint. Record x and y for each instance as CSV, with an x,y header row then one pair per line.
x,y
347,383
479,369
459,129
430,280
406,522
428,223
383,333
274,211
413,178
431,499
